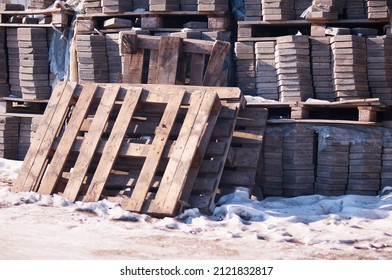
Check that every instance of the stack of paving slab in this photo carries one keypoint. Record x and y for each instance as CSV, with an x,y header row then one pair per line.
x,y
140,4
293,67
27,128
34,63
164,5
332,166
379,68
355,9
278,10
349,67
300,6
326,9
253,10
188,5
364,169
321,68
299,161
245,67
9,137
114,57
40,4
266,74
4,86
386,159
92,58
270,177
213,5
116,6
92,6
377,9
13,62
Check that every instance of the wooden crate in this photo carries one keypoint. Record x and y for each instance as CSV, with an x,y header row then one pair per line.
x,y
140,145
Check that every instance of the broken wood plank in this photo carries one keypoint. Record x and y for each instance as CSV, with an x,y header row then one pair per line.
x,y
212,76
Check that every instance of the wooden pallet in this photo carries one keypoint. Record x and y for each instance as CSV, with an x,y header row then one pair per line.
x,y
141,145
14,105
173,60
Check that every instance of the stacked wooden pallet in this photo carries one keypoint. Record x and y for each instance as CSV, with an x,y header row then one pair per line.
x,y
379,71
349,67
34,63
365,168
4,86
332,165
92,58
9,137
266,73
293,68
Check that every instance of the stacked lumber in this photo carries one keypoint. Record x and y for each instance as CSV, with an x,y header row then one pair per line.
x,y
278,9
245,67
40,4
364,168
13,62
92,6
4,86
332,165
293,68
349,67
266,74
299,161
355,9
377,9
113,57
164,5
34,63
213,5
92,58
253,10
379,68
116,6
188,5
27,128
9,137
321,68
270,176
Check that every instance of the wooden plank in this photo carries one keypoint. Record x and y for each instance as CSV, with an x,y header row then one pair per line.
x,y
34,163
169,53
166,201
112,146
212,76
136,201
90,143
152,66
133,67
68,138
197,69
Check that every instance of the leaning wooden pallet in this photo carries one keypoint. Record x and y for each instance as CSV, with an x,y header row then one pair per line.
x,y
146,139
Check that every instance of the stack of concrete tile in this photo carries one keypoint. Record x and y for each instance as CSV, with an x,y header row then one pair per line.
x,y
332,166
293,67
164,5
365,169
300,6
9,137
4,87
386,164
299,161
321,68
377,9
92,6
92,58
188,5
140,4
266,74
252,10
116,6
245,67
213,5
40,4
349,67
27,128
34,63
114,57
278,9
379,68
326,9
13,62
355,9
270,177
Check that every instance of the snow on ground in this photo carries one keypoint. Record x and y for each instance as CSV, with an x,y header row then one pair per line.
x,y
307,227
